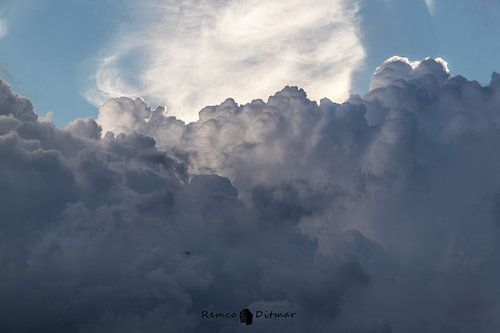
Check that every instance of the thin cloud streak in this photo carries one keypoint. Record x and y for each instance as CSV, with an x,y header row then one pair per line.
x,y
430,5
3,24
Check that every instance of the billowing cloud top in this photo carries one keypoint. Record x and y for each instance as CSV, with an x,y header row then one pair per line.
x,y
380,214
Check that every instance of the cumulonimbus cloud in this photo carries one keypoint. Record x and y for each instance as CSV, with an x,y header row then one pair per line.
x,y
188,54
380,214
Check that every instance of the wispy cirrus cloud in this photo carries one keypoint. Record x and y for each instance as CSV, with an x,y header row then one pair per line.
x,y
430,5
3,23
3,28
188,54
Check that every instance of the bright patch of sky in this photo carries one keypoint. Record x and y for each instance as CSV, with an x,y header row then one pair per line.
x,y
68,56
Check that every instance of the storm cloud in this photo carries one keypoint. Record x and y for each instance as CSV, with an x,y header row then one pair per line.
x,y
380,214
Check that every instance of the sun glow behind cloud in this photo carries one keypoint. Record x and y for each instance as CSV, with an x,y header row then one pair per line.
x,y
188,54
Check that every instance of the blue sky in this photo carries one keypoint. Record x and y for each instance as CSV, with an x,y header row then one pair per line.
x,y
47,50
51,50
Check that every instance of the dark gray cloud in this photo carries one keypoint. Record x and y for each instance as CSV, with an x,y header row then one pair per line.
x,y
380,214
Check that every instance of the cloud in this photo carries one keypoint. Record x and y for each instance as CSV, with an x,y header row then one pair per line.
x,y
98,230
376,215
3,28
189,54
430,5
3,23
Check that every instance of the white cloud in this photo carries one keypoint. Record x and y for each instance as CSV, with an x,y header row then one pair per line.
x,y
3,25
3,29
188,54
397,67
430,5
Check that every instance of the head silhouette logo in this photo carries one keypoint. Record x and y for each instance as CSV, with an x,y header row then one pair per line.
x,y
246,316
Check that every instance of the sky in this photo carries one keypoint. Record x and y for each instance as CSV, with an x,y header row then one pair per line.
x,y
160,160
81,53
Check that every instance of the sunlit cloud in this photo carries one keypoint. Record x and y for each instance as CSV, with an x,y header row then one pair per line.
x,y
188,54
